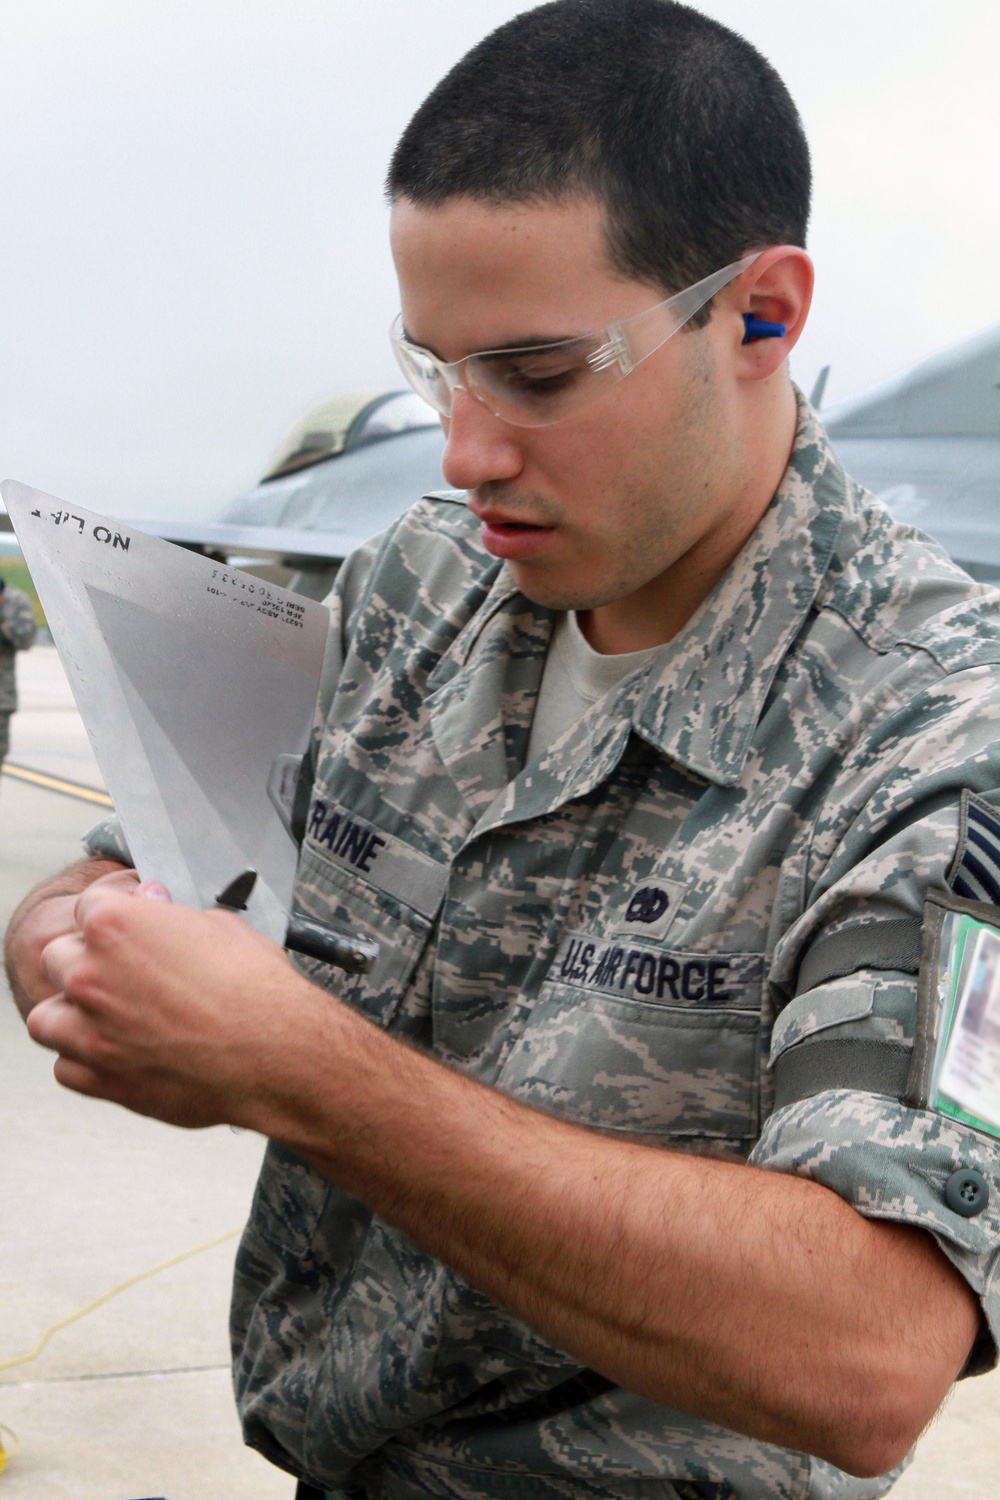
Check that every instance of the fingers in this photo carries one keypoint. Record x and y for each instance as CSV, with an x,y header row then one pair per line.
x,y
105,913
103,904
59,958
62,1027
81,1079
112,888
101,918
153,890
147,1003
91,965
127,883
50,916
121,880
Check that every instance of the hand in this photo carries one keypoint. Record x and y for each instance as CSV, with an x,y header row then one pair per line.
x,y
167,1011
48,913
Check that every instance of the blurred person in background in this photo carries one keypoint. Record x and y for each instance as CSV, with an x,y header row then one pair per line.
x,y
17,633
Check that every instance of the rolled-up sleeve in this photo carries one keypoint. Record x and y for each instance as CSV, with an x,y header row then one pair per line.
x,y
107,841
839,1054
852,1026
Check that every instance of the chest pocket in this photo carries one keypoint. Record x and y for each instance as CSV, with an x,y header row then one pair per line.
x,y
343,900
648,1041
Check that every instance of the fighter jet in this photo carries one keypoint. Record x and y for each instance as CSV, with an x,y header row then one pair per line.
x,y
344,472
927,443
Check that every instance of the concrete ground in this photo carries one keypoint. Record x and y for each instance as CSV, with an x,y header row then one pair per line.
x,y
46,732
134,1399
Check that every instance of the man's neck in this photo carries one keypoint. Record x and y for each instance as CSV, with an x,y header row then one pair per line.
x,y
660,609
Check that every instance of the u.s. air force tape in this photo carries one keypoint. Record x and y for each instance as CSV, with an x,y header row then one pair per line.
x,y
648,972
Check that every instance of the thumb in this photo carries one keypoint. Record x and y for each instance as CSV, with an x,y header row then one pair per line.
x,y
153,890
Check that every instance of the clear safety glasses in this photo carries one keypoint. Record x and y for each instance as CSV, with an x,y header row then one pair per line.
x,y
544,383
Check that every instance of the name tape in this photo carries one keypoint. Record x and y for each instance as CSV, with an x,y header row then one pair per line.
x,y
382,860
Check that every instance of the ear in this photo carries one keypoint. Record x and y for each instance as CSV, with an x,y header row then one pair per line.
x,y
777,288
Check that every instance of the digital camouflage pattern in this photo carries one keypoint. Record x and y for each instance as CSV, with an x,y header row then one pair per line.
x,y
17,631
106,840
611,934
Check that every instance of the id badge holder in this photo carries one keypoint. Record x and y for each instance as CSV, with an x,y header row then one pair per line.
x,y
955,1067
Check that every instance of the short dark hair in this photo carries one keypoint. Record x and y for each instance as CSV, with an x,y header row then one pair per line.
x,y
677,125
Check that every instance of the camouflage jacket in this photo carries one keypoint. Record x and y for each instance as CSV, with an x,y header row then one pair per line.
x,y
17,631
685,923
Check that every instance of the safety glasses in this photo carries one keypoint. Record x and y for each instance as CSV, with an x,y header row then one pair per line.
x,y
545,383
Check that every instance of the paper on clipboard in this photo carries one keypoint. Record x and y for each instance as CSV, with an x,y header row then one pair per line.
x,y
197,685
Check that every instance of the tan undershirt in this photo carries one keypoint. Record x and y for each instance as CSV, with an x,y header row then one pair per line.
x,y
574,677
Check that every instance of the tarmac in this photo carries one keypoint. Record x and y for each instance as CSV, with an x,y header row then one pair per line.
x,y
134,1399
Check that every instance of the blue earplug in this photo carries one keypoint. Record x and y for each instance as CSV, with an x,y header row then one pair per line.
x,y
756,328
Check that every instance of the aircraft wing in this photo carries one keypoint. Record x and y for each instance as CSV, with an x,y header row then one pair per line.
x,y
928,444
301,547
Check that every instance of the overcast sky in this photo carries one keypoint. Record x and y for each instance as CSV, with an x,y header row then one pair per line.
x,y
194,238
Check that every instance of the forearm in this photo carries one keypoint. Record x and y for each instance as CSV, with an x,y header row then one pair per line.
x,y
759,1301
45,911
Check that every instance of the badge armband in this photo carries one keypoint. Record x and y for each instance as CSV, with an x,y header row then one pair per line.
x,y
955,1069
956,1062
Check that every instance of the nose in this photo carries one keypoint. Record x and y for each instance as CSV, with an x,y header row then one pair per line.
x,y
478,446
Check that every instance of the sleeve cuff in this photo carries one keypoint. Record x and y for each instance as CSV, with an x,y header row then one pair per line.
x,y
894,1163
106,841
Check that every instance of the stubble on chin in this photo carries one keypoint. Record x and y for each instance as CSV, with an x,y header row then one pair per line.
x,y
556,588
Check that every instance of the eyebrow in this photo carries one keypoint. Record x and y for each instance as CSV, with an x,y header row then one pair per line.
x,y
531,341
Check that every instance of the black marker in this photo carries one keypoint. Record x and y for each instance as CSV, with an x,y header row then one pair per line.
x,y
313,939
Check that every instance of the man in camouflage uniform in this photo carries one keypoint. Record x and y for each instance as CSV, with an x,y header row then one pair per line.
x,y
17,631
615,1177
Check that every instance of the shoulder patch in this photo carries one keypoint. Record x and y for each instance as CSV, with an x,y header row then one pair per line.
x,y
975,870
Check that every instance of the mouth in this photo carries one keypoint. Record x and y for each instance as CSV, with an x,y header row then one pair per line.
x,y
510,537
